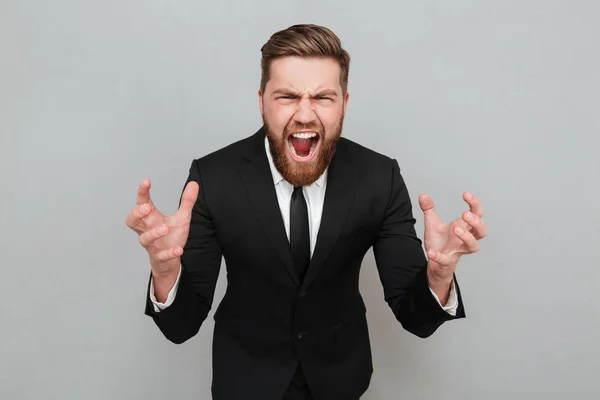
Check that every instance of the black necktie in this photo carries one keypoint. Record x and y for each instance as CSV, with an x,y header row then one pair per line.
x,y
299,236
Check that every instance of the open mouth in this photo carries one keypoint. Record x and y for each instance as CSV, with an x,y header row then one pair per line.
x,y
304,145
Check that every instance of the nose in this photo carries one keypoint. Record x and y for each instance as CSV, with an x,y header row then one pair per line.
x,y
305,114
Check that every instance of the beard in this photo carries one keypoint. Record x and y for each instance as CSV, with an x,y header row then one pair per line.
x,y
302,174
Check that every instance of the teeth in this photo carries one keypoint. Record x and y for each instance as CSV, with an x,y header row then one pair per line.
x,y
306,135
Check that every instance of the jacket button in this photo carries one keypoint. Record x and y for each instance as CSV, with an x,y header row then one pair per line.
x,y
304,293
299,335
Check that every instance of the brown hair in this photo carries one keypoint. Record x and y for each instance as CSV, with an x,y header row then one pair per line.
x,y
305,40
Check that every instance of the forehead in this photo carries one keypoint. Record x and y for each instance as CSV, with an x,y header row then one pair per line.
x,y
304,74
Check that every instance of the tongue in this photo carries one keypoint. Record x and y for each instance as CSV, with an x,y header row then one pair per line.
x,y
302,146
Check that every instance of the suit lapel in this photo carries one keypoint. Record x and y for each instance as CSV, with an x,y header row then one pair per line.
x,y
258,181
339,195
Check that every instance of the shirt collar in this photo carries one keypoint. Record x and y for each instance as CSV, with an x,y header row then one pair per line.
x,y
277,176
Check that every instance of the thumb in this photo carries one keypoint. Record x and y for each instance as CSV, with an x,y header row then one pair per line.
x,y
439,257
188,199
426,205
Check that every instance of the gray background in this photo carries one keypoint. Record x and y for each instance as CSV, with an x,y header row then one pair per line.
x,y
496,97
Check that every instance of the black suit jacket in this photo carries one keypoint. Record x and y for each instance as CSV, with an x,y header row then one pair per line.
x,y
268,320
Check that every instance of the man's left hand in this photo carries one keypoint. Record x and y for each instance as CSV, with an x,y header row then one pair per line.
x,y
446,242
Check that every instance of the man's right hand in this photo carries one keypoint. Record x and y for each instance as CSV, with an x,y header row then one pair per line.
x,y
162,236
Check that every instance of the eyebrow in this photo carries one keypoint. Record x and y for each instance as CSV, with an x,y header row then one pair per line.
x,y
289,92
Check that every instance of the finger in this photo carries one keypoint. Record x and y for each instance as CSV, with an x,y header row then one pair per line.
x,y
478,228
143,194
440,258
467,238
147,238
474,204
188,199
166,255
135,217
427,205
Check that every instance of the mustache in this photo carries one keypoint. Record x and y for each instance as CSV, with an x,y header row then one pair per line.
x,y
295,127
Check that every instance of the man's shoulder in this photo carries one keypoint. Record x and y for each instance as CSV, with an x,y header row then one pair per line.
x,y
227,155
359,153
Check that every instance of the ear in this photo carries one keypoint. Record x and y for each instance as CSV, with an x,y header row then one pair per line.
x,y
260,101
346,99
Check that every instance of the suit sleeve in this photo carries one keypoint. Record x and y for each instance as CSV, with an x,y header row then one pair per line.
x,y
200,265
402,266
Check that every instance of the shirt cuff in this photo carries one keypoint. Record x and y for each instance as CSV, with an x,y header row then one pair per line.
x,y
158,307
452,303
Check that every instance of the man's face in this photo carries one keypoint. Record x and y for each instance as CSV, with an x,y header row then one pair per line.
x,y
303,110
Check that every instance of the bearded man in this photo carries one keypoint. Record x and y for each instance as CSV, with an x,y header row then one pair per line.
x,y
293,209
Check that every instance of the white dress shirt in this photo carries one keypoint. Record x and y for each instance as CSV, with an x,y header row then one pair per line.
x,y
315,197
